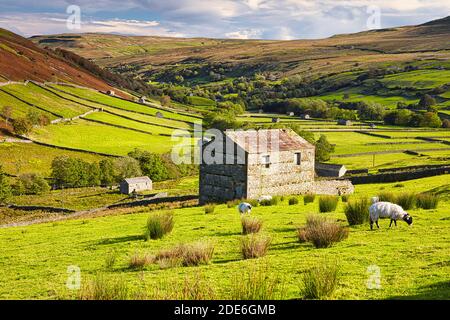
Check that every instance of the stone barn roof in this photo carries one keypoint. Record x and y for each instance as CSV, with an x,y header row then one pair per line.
x,y
137,180
268,140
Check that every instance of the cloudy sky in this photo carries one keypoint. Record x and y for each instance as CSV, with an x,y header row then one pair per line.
x,y
244,19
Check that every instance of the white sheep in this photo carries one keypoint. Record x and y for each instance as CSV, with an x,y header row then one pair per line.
x,y
388,210
244,208
264,198
375,200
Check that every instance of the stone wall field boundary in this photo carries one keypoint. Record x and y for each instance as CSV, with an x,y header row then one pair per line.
x,y
398,176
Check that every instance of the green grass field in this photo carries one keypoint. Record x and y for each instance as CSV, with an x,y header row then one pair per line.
x,y
46,100
419,79
353,142
137,116
394,160
116,120
20,158
19,108
85,135
413,260
354,95
122,104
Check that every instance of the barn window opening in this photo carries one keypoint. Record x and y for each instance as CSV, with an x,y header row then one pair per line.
x,y
298,158
266,161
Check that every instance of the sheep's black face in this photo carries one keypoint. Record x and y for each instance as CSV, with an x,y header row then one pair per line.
x,y
408,219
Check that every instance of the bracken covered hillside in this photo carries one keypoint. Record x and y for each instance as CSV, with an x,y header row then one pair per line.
x,y
21,59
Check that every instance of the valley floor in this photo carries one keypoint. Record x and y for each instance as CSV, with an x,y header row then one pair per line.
x,y
414,261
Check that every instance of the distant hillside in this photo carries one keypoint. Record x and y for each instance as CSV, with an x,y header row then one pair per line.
x,y
205,60
21,59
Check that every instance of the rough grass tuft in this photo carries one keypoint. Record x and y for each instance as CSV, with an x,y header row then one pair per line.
x,y
321,232
192,254
320,281
251,225
110,259
103,288
272,202
255,246
406,200
257,283
140,261
427,201
309,198
293,201
328,203
209,208
357,211
158,225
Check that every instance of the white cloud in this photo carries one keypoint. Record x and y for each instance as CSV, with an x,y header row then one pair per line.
x,y
34,24
244,34
243,19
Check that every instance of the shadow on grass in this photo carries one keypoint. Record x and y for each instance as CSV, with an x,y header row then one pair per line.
x,y
286,245
285,229
139,237
435,291
227,260
227,234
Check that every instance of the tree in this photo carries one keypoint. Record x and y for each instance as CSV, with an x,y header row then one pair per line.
x,y
323,149
44,120
151,164
33,116
7,113
400,117
431,120
426,102
5,187
106,167
22,126
31,183
165,101
74,172
126,167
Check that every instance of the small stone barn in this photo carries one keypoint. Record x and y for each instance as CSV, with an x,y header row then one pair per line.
x,y
138,184
344,122
250,164
330,170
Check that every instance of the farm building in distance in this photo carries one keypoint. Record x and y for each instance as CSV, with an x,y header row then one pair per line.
x,y
344,122
132,185
330,170
265,162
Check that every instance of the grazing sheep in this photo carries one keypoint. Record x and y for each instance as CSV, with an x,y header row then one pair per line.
x,y
375,200
264,198
388,210
244,208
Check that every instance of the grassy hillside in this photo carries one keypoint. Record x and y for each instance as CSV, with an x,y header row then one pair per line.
x,y
20,158
155,57
423,248
102,138
21,59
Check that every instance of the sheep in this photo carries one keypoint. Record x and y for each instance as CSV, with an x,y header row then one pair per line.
x,y
244,208
375,200
388,210
264,198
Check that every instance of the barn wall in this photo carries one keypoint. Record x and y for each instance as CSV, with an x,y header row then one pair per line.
x,y
284,176
220,183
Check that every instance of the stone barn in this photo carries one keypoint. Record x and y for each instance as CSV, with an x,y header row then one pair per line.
x,y
344,122
131,185
330,170
250,164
